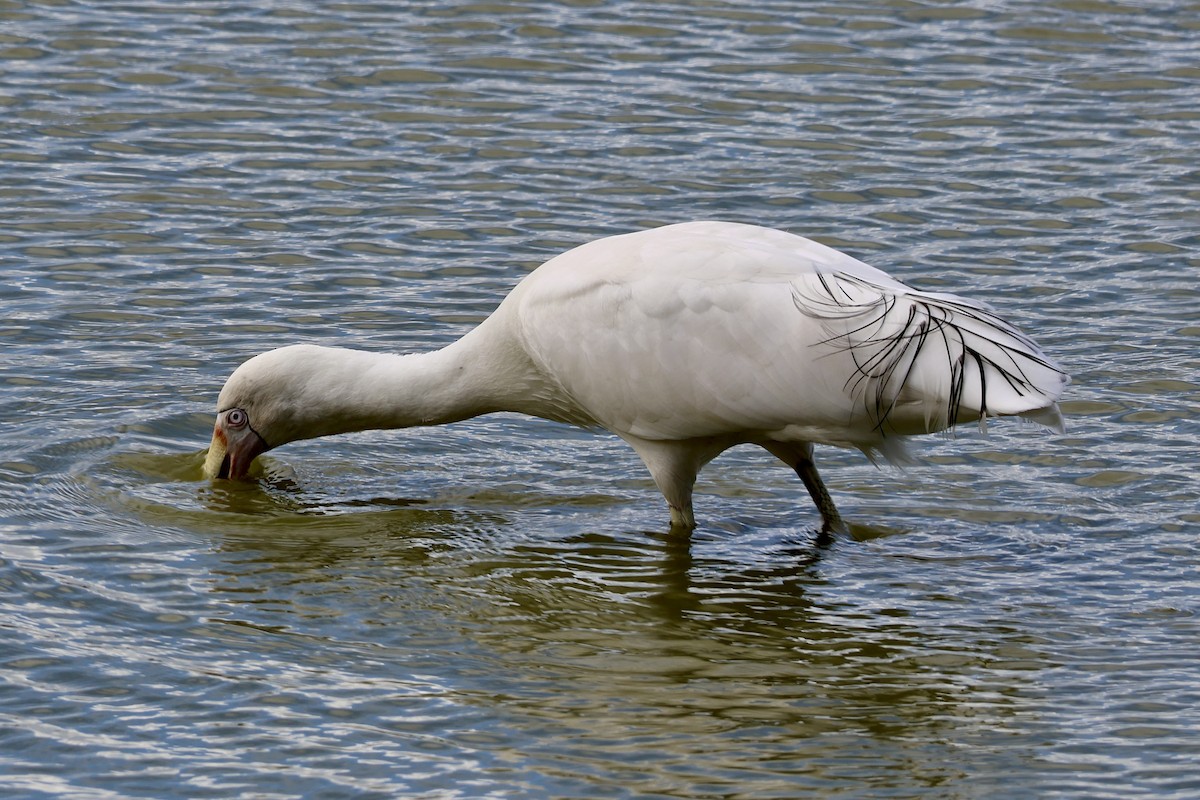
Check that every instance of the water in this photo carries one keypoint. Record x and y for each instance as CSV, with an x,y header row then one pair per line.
x,y
494,609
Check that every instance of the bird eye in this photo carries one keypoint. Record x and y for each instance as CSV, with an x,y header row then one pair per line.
x,y
236,418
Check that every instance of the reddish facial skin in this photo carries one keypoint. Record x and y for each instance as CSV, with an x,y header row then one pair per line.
x,y
234,446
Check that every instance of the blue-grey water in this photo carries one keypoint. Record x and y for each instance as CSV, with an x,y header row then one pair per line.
x,y
494,608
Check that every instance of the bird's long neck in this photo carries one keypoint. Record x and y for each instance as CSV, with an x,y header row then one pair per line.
x,y
305,391
367,391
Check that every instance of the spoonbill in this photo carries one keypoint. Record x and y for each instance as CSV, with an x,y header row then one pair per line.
x,y
683,340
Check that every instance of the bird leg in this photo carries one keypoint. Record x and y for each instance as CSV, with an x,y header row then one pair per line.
x,y
674,466
677,489
682,518
799,457
830,518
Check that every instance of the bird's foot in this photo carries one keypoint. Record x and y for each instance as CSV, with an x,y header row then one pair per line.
x,y
831,527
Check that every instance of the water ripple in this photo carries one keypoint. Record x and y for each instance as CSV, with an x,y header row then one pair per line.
x,y
494,609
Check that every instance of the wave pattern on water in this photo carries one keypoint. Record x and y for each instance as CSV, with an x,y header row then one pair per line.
x,y
493,609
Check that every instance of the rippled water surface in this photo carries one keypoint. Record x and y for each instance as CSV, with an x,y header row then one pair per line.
x,y
495,609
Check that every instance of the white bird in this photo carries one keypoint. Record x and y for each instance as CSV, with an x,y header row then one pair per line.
x,y
684,340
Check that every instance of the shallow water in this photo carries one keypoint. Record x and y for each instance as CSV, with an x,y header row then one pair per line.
x,y
495,609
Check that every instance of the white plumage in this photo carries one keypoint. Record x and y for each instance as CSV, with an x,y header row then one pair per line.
x,y
685,341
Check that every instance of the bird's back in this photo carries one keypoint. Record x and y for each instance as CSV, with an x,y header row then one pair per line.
x,y
720,329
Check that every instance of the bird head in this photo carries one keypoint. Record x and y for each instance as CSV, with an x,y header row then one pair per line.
x,y
274,398
235,444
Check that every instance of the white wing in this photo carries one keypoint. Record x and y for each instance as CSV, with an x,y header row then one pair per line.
x,y
707,329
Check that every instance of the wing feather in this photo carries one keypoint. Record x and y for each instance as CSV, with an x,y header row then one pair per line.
x,y
714,329
924,361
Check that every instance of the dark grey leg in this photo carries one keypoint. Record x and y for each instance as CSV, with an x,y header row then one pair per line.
x,y
831,519
798,456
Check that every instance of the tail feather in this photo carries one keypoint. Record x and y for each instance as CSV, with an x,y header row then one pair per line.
x,y
921,361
